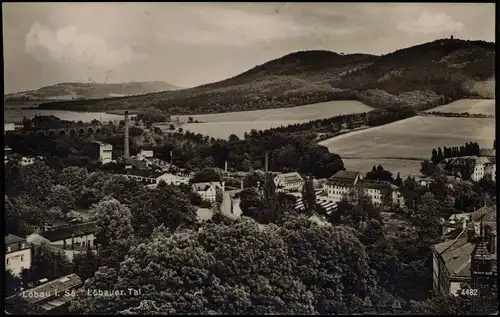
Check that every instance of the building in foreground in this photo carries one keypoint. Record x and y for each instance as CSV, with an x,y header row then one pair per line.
x,y
17,254
452,258
50,298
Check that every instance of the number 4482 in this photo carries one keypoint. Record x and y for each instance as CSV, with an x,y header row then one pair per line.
x,y
470,292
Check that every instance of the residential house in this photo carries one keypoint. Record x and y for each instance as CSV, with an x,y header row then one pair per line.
x,y
50,298
17,254
452,258
71,239
208,190
147,153
289,182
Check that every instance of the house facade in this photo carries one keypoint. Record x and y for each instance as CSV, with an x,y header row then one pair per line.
x,y
208,190
345,182
103,151
17,254
71,239
289,182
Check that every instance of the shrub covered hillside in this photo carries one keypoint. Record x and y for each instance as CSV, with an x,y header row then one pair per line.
x,y
421,76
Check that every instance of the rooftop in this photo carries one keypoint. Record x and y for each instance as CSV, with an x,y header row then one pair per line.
x,y
12,239
487,152
288,178
204,186
50,290
456,253
100,143
69,231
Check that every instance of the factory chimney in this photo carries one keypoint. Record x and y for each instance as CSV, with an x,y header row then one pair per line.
x,y
171,158
225,166
266,164
126,153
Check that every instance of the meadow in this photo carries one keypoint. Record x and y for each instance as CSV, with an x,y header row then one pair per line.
x,y
400,145
483,106
221,125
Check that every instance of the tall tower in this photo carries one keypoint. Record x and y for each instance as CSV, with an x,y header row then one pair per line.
x,y
266,164
482,270
126,153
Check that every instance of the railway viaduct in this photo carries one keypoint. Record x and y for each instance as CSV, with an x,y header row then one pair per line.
x,y
68,131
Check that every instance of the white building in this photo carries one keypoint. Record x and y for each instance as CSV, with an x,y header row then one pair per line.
x,y
208,190
17,254
71,239
484,166
341,184
8,127
344,182
289,182
104,151
147,153
27,160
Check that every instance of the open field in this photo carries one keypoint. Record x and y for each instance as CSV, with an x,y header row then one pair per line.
x,y
221,125
412,138
483,106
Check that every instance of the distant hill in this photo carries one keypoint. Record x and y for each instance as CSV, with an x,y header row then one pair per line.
x,y
421,76
82,91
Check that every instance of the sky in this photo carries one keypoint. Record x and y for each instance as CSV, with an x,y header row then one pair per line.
x,y
190,44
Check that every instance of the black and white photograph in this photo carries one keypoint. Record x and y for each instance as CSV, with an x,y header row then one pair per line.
x,y
249,158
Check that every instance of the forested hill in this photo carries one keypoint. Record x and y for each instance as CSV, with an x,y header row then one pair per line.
x,y
421,76
81,91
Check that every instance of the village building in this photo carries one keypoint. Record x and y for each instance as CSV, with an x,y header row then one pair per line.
x,y
289,182
70,239
103,152
346,182
208,190
452,258
17,254
50,298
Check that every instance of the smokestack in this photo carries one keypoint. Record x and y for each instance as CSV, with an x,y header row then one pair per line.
x,y
171,158
126,153
225,166
266,164
492,241
241,184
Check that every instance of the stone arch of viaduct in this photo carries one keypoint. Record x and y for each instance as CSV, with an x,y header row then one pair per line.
x,y
72,131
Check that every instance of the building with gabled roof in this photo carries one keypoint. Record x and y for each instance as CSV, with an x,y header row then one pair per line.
x,y
17,254
49,298
289,182
208,190
70,239
452,258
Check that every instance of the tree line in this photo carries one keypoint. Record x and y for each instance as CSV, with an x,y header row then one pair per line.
x,y
468,149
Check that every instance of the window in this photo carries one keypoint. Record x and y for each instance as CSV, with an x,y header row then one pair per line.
x,y
22,245
7,261
22,257
8,249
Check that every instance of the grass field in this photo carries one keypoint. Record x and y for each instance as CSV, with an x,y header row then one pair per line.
x,y
221,125
483,106
394,144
